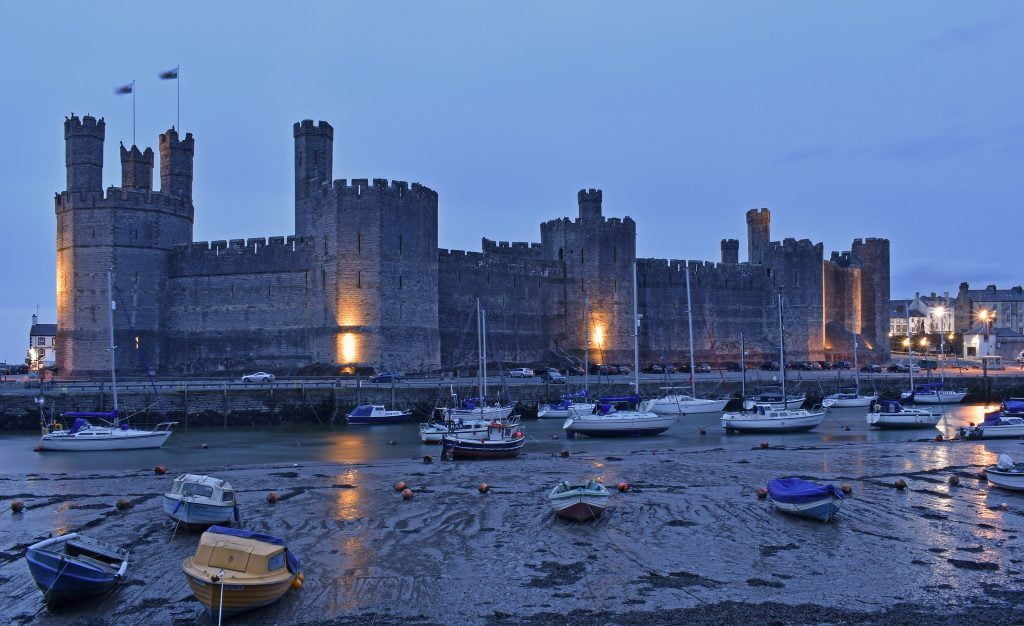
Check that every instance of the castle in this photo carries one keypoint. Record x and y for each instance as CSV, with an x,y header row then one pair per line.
x,y
363,283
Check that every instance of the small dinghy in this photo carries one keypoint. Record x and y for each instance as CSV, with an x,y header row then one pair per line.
x,y
579,501
72,567
236,570
197,502
1006,474
803,498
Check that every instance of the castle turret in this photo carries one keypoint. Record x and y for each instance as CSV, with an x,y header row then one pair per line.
x,y
872,256
176,164
730,251
590,204
136,168
758,234
314,150
83,152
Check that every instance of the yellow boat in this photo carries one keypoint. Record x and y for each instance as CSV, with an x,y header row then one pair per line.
x,y
236,570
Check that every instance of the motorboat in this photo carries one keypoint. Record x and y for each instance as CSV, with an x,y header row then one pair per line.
x,y
114,434
433,430
933,393
764,418
776,399
804,498
474,408
607,421
235,570
568,404
848,397
579,501
73,567
891,414
682,404
502,440
196,501
1008,422
377,414
1006,474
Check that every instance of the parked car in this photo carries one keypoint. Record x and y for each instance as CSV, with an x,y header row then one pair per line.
x,y
386,377
551,375
871,368
703,368
656,368
258,377
770,365
842,365
733,366
520,372
575,370
624,369
826,365
903,367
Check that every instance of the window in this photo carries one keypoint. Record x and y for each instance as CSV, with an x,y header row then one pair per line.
x,y
275,562
399,244
359,243
195,489
40,341
399,281
359,280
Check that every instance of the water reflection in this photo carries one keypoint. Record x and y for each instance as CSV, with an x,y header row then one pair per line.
x,y
348,504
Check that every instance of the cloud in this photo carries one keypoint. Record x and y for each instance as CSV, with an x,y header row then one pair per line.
x,y
966,35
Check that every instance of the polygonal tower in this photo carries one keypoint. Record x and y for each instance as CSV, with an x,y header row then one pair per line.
x,y
758,234
314,160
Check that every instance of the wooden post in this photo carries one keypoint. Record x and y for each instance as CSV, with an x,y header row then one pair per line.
x,y
186,405
225,409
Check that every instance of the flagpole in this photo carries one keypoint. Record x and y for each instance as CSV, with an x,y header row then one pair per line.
x,y
178,80
133,112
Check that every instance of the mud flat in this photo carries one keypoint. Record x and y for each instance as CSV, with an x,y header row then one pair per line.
x,y
689,543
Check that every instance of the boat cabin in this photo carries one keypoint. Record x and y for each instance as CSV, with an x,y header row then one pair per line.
x,y
239,554
500,431
368,410
195,485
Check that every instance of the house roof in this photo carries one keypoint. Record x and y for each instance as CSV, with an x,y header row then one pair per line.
x,y
43,330
1014,294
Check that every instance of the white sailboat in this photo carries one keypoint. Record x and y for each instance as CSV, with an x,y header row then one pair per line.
x,y
849,398
605,420
115,434
891,414
767,418
681,403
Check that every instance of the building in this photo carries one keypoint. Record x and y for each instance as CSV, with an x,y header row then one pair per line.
x,y
980,341
42,348
1006,306
362,282
928,314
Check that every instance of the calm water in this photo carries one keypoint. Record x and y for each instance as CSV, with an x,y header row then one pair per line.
x,y
343,443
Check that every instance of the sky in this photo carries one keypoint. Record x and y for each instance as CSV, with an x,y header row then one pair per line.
x,y
897,120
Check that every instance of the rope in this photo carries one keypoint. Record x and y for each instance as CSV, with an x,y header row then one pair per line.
x,y
64,564
220,611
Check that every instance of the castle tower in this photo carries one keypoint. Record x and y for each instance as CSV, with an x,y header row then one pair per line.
x,y
83,152
872,256
314,150
176,165
730,251
589,201
758,234
136,168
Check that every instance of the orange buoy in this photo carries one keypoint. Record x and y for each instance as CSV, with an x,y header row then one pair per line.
x,y
762,493
160,470
428,459
400,486
123,504
953,481
407,494
17,506
847,489
900,484
565,454
296,583
1004,506
272,497
623,487
483,488
939,437
764,444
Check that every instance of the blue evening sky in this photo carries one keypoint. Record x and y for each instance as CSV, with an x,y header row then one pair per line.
x,y
893,119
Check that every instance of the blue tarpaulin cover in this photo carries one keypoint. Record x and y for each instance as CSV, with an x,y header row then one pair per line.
x,y
1015,407
293,561
363,410
798,490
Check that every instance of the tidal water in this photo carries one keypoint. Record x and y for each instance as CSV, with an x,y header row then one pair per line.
x,y
359,444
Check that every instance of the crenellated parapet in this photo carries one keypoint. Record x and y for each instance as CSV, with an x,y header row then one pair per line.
x,y
367,189
124,199
256,255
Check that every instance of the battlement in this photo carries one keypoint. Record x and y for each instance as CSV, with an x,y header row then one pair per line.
x,y
490,245
121,198
307,127
256,255
871,241
842,259
758,215
789,244
444,253
170,139
361,186
87,125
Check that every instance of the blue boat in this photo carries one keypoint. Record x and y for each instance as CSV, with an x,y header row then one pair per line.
x,y
803,498
72,568
197,501
377,414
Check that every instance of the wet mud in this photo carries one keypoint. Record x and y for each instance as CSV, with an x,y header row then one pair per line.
x,y
689,543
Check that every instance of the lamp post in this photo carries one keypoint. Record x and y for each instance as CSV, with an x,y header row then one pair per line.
x,y
986,317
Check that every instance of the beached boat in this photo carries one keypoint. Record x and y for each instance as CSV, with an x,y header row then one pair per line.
x,y
475,409
847,397
682,404
579,501
803,498
376,414
197,501
1005,423
569,404
776,399
891,414
502,440
933,393
1006,474
765,419
236,570
71,567
606,421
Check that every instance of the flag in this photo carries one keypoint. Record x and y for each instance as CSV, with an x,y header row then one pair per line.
x,y
169,74
124,89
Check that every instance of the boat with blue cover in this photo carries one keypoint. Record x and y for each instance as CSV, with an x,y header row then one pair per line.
x,y
1005,423
569,404
607,421
892,414
235,570
72,567
377,414
934,393
197,501
804,498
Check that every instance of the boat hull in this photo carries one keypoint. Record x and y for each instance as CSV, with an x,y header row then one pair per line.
x,y
487,413
944,397
433,433
549,412
669,406
580,508
465,448
848,403
1013,481
822,510
791,403
903,420
737,422
65,580
197,515
998,432
74,443
611,426
380,419
238,598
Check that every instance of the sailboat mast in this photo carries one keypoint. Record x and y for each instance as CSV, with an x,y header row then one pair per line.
x,y
586,348
483,348
479,355
636,337
856,370
743,368
689,321
110,323
910,350
782,352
